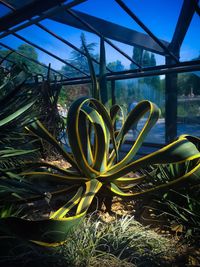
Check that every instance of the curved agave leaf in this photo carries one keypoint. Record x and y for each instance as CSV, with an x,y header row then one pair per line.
x,y
50,231
97,168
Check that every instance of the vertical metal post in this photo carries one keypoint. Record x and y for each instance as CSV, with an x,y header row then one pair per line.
x,y
171,102
113,92
171,90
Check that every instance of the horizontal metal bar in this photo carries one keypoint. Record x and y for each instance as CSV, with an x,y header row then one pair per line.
x,y
150,71
141,24
49,53
31,59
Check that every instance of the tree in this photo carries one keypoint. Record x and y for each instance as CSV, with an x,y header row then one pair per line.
x,y
188,83
152,60
146,59
79,60
26,50
116,66
137,57
120,90
148,87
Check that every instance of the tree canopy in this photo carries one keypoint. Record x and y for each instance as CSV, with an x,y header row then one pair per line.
x,y
26,50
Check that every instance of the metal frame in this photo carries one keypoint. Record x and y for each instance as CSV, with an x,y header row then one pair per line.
x,y
197,7
31,10
66,42
31,22
49,53
171,88
55,35
144,27
54,9
146,72
111,30
7,59
91,28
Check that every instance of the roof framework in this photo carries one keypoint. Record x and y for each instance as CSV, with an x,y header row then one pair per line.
x,y
32,12
62,12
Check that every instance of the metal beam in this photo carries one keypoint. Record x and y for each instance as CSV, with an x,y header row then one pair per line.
x,y
26,12
113,98
184,20
45,15
171,103
144,27
150,71
49,53
31,59
112,31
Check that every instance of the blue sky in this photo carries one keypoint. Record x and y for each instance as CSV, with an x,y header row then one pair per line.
x,y
159,15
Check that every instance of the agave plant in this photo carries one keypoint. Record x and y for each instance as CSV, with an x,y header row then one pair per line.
x,y
96,164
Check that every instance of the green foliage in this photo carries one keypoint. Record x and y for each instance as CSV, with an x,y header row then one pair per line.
x,y
181,204
17,102
94,148
150,88
115,65
48,109
122,242
26,50
80,60
137,56
188,83
96,168
17,110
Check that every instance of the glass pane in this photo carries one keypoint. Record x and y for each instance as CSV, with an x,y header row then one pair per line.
x,y
110,11
4,10
115,60
73,36
159,16
31,52
146,58
70,93
130,92
190,48
49,43
189,103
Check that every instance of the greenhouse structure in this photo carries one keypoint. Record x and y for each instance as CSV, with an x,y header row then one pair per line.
x,y
99,99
